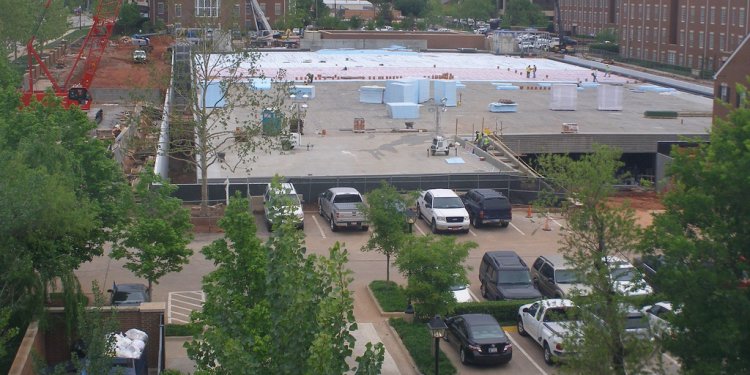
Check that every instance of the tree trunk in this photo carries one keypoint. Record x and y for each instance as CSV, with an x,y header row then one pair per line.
x,y
204,184
150,294
387,268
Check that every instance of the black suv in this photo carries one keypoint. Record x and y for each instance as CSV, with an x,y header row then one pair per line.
x,y
129,294
487,206
504,275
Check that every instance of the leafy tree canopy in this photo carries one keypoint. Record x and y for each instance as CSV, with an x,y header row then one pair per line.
x,y
524,13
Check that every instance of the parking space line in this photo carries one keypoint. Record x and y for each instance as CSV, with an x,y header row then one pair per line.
x,y
472,232
669,357
315,219
516,228
516,346
419,229
555,221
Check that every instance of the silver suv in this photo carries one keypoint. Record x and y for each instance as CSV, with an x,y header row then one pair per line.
x,y
554,277
291,205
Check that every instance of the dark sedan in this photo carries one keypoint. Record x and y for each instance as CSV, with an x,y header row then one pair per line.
x,y
479,339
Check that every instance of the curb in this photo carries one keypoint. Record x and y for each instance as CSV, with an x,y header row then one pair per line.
x,y
403,347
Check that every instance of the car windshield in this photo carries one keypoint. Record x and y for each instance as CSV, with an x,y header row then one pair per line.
x,y
623,274
514,277
129,297
456,288
447,202
347,198
561,314
496,204
486,331
635,321
566,277
283,199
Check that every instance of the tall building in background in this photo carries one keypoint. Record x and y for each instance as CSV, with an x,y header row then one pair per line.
x,y
697,34
231,14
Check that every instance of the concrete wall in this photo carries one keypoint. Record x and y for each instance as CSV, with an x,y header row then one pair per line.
x,y
53,345
108,95
375,40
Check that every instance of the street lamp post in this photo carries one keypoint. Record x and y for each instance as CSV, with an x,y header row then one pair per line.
x,y
437,329
439,107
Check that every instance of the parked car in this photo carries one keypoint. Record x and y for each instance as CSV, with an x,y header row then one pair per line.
x,y
342,207
649,265
658,316
462,294
487,206
283,200
478,339
548,322
128,294
442,209
626,277
504,275
554,277
636,322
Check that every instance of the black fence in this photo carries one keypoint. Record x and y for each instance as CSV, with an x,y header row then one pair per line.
x,y
519,189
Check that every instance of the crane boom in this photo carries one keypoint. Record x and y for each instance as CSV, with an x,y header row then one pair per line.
x,y
75,91
259,15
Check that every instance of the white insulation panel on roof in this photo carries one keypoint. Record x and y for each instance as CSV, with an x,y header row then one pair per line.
x,y
563,97
609,98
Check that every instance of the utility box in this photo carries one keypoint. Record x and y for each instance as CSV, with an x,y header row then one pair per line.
x,y
271,122
359,125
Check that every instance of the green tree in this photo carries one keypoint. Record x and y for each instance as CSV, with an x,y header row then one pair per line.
x,y
595,231
16,22
154,239
54,23
476,9
264,302
524,13
411,8
129,20
432,265
386,211
704,235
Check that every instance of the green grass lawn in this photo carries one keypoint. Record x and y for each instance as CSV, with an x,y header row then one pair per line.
x,y
390,295
416,337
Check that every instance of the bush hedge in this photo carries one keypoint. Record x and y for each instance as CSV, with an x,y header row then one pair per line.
x,y
390,295
180,330
505,312
660,114
418,341
609,47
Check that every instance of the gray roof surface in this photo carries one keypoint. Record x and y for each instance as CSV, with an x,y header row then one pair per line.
x,y
331,148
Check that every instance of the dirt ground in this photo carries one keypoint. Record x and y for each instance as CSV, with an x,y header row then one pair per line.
x,y
117,70
644,203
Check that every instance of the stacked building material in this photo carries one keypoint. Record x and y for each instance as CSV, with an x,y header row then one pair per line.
x,y
609,98
445,89
403,110
371,94
563,97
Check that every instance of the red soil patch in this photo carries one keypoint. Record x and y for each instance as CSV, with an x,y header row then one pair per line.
x,y
644,203
117,69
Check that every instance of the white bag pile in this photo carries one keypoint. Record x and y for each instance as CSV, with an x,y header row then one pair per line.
x,y
131,344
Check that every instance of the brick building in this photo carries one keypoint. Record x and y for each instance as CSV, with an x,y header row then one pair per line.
x,y
230,14
698,34
735,71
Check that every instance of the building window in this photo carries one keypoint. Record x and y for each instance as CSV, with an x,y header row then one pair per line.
x,y
711,40
683,14
690,38
741,17
648,12
712,16
701,37
724,92
263,7
682,38
249,10
207,8
277,9
671,57
689,62
160,8
692,14
723,15
721,42
703,15
655,56
178,10
639,34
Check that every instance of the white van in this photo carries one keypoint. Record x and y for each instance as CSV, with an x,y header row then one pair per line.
x,y
293,204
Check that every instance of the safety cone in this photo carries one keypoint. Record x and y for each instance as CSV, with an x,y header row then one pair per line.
x,y
546,225
528,213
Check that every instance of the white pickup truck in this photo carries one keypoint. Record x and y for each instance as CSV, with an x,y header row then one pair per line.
x,y
548,322
442,209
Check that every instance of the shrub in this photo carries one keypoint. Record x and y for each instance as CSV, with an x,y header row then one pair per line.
x,y
505,312
609,47
180,330
390,295
418,341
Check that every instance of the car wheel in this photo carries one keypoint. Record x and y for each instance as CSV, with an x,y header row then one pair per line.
x,y
475,222
547,354
320,210
505,224
462,354
483,291
365,228
334,228
521,329
432,152
434,226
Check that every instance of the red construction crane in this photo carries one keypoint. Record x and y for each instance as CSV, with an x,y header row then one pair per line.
x,y
75,89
